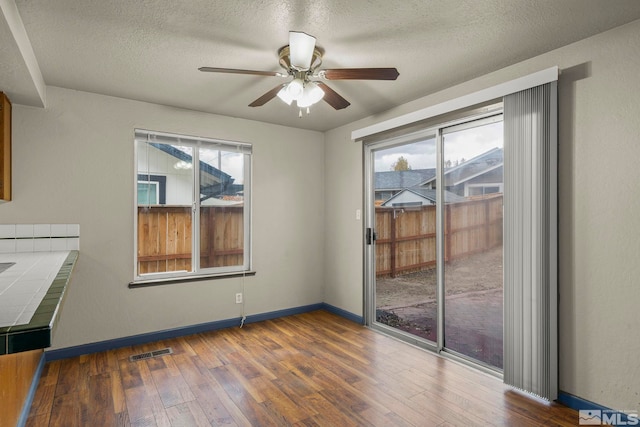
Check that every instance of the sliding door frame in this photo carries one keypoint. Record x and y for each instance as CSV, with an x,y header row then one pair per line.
x,y
369,150
436,131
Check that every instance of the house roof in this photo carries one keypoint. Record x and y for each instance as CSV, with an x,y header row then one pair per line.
x,y
428,194
483,163
217,184
204,166
396,180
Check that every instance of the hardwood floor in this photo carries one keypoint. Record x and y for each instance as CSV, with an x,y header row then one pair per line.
x,y
313,369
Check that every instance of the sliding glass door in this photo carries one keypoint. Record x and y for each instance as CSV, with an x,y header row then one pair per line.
x,y
403,215
434,268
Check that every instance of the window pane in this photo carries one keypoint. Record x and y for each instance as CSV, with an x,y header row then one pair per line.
x,y
147,193
164,207
405,250
473,182
221,208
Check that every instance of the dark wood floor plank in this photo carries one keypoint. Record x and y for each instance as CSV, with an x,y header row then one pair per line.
x,y
67,410
117,393
241,397
69,376
215,401
313,369
282,403
130,374
330,414
139,406
152,394
188,415
199,345
38,420
397,403
172,388
43,400
100,404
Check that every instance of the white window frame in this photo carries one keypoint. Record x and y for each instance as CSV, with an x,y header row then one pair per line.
x,y
196,272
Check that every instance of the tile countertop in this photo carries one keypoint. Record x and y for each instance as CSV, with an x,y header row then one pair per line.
x,y
32,292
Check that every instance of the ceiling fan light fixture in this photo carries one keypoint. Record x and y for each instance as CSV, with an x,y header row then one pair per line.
x,y
301,47
284,95
311,94
295,88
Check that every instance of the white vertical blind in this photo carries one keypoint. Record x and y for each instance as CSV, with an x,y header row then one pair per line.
x,y
530,240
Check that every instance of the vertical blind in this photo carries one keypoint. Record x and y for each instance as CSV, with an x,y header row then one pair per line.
x,y
530,240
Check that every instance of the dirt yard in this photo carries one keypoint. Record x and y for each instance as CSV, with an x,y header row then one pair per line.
x,y
473,325
478,272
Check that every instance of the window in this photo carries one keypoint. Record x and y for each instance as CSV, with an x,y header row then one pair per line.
x,y
151,189
148,193
192,206
482,189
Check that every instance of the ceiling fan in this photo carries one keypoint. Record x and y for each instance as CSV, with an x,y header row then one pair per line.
x,y
301,59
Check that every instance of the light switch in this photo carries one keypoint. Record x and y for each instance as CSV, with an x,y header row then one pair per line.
x,y
358,214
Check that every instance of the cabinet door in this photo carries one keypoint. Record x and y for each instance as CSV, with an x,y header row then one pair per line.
x,y
5,148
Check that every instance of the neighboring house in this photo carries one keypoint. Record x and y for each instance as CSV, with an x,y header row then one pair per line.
x,y
418,196
475,177
216,187
389,183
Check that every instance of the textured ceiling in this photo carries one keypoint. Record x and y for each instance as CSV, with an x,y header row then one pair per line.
x,y
150,50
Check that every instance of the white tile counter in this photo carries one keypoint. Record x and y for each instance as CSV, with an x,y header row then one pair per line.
x,y
39,259
24,285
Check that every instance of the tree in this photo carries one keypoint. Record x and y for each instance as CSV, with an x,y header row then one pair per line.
x,y
401,164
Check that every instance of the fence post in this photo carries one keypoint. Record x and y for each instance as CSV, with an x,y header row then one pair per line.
x,y
487,223
393,244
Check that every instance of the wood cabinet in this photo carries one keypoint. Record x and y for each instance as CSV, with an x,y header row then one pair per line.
x,y
17,372
5,148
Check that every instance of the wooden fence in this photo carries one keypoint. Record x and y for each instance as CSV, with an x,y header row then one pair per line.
x,y
164,237
407,236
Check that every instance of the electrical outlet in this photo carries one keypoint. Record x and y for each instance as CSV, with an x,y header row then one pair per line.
x,y
238,298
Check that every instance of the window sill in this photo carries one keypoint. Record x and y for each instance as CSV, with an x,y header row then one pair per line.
x,y
172,280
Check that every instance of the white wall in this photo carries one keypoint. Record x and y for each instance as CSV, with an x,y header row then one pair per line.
x,y
73,163
599,151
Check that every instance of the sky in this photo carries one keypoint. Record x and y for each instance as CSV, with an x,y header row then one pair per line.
x,y
464,144
231,163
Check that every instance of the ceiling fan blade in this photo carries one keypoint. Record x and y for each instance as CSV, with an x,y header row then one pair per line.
x,y
301,47
236,71
361,74
333,98
266,97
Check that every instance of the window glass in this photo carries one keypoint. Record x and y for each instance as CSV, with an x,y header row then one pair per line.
x,y
181,231
147,193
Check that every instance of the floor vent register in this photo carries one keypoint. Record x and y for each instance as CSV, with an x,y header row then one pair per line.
x,y
150,354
